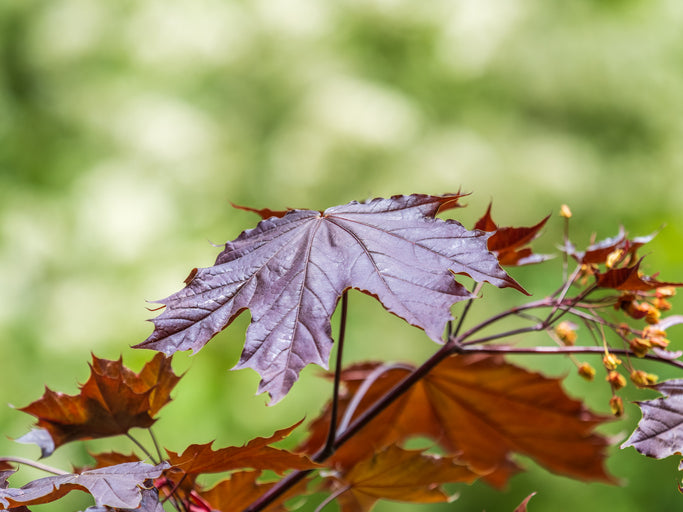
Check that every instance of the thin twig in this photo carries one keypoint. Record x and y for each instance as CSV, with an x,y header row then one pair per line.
x,y
278,490
544,303
171,493
506,334
565,252
142,447
564,290
332,432
364,387
156,444
550,350
172,499
34,464
468,305
562,308
331,497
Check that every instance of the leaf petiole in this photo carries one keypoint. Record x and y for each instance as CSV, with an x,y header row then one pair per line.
x,y
34,464
142,447
332,433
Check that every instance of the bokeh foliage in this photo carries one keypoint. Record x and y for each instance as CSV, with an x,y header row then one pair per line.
x,y
126,127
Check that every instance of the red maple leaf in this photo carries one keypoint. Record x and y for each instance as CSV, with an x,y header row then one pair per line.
x,y
112,401
479,407
508,242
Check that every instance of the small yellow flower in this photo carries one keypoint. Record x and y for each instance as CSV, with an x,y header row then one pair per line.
x,y
566,332
640,346
643,379
586,371
617,406
656,336
662,304
610,361
614,258
565,211
665,291
652,314
616,380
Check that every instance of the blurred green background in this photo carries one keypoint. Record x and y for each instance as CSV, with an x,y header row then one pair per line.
x,y
127,127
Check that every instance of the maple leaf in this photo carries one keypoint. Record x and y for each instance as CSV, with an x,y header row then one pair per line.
x,y
481,408
599,252
112,401
630,279
256,454
508,242
290,272
398,475
660,431
117,486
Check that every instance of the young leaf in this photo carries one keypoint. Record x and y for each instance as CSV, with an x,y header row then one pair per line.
x,y
481,408
630,279
112,401
508,242
598,253
660,431
290,272
117,486
398,475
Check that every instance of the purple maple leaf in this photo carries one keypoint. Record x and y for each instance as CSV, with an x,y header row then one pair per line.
x,y
290,272
660,431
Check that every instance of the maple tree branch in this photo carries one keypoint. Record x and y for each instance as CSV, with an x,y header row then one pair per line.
x,y
562,293
457,348
332,432
34,464
550,350
278,490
